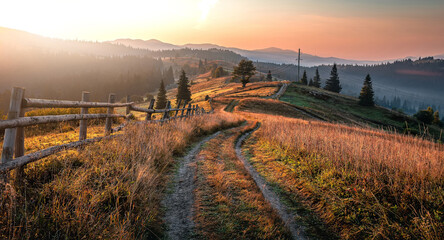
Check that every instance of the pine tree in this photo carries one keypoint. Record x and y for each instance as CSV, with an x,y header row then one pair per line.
x,y
304,78
311,83
183,90
366,98
317,79
269,77
161,100
333,83
245,69
201,67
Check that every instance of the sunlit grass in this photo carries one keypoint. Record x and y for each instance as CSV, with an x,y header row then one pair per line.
x,y
109,190
364,183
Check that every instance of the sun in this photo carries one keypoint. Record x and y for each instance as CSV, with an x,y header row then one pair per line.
x,y
205,6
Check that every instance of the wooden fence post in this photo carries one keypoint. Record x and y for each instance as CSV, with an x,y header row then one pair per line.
x,y
20,147
167,112
109,120
178,106
84,123
188,110
197,109
148,115
15,107
128,108
183,108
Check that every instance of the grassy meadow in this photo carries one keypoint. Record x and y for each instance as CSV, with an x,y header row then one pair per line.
x,y
363,183
108,190
345,109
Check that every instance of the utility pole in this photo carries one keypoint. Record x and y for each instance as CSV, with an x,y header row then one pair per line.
x,y
299,65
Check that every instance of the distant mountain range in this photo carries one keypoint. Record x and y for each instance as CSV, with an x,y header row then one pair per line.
x,y
272,54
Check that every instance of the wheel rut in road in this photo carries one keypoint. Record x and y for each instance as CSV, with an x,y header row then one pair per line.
x,y
297,231
179,203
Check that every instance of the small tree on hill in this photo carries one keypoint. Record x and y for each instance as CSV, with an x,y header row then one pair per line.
x,y
317,79
311,83
183,90
201,67
333,83
425,116
245,70
219,72
304,79
366,97
161,100
269,77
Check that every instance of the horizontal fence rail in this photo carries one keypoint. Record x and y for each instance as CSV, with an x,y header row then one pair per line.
x,y
46,103
30,121
13,143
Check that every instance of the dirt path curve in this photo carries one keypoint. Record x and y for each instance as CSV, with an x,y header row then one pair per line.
x,y
179,203
286,215
279,93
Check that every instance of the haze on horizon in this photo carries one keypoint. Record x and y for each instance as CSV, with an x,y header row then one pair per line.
x,y
353,29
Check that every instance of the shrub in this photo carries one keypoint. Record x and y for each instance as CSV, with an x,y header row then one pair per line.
x,y
425,116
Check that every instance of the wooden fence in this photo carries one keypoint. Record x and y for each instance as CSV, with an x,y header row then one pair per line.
x,y
14,138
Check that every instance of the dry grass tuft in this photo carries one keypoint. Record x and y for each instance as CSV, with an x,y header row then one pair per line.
x,y
108,190
365,183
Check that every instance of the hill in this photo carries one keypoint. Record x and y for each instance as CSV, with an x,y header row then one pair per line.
x,y
54,68
307,170
416,83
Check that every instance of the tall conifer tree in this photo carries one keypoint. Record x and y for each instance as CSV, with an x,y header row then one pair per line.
x,y
183,90
317,79
304,79
269,77
333,83
161,100
366,97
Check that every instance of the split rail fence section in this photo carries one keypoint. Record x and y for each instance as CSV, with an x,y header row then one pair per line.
x,y
14,138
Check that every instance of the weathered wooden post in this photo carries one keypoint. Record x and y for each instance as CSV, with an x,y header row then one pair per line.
x,y
15,108
178,106
197,109
148,115
188,110
20,146
128,108
109,120
183,108
166,115
84,123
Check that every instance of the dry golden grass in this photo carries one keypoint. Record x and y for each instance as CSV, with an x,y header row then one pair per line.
x,y
260,92
268,106
228,202
365,183
108,190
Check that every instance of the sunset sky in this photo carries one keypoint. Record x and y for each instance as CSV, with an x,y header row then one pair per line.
x,y
354,29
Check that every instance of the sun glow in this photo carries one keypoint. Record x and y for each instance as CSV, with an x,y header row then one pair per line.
x,y
205,6
101,19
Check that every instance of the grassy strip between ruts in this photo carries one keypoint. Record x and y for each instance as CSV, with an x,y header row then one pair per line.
x,y
108,190
228,203
365,184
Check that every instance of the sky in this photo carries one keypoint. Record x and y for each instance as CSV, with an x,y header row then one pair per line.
x,y
352,29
